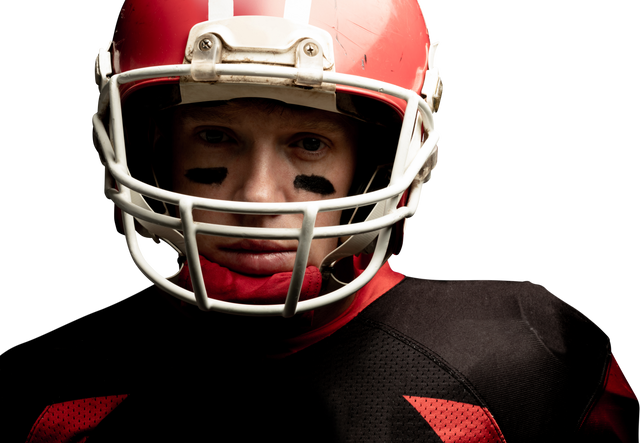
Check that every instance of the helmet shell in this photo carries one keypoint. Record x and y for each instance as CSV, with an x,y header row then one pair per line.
x,y
385,40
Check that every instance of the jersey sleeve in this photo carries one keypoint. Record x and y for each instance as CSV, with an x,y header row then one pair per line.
x,y
613,416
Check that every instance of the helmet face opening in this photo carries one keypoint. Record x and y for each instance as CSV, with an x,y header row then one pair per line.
x,y
232,86
149,117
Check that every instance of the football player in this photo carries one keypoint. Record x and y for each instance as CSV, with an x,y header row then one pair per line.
x,y
278,146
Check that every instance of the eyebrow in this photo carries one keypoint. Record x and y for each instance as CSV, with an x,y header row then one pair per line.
x,y
205,114
220,114
322,126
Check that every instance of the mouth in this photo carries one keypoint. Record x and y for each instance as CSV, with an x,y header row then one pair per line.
x,y
255,257
257,247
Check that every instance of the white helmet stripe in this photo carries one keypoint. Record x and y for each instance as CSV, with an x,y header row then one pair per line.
x,y
220,9
297,10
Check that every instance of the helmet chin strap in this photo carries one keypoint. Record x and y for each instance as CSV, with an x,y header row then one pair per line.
x,y
174,238
354,245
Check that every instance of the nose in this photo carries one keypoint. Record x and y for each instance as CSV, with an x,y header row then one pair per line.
x,y
262,174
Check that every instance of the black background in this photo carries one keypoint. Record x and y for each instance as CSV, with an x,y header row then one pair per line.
x,y
533,183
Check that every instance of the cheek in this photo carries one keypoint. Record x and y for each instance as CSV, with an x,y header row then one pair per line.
x,y
328,218
320,249
341,176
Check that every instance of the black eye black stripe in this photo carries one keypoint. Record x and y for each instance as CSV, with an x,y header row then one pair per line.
x,y
207,176
215,176
314,183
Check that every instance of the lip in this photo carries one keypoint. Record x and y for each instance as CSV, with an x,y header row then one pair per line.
x,y
255,257
257,246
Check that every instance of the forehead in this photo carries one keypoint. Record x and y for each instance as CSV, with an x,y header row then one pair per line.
x,y
266,111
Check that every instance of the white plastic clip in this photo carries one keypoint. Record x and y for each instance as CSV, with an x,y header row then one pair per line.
x,y
103,68
309,59
432,87
425,173
207,52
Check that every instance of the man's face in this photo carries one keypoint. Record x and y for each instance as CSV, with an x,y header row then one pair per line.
x,y
252,151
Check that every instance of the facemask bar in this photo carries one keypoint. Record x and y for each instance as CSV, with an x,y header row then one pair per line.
x,y
408,173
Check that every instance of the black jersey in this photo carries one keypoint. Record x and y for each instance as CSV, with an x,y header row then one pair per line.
x,y
428,361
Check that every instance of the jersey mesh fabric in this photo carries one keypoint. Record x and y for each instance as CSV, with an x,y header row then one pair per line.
x,y
365,389
352,386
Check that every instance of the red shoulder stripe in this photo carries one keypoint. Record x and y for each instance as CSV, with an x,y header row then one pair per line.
x,y
614,415
72,420
456,422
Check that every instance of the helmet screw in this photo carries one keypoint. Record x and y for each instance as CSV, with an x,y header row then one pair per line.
x,y
310,49
205,44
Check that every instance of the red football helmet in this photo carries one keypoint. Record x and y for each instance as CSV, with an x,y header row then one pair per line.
x,y
370,61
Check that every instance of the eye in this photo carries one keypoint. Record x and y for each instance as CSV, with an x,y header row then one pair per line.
x,y
310,144
213,136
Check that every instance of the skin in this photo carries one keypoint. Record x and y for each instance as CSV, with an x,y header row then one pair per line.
x,y
251,151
